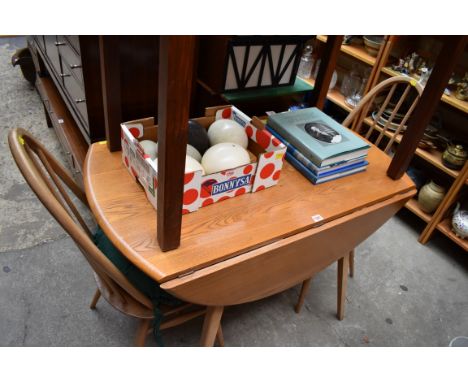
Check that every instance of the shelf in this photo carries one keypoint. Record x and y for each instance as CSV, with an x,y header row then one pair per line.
x,y
434,157
334,96
451,100
445,226
413,206
391,72
357,51
455,102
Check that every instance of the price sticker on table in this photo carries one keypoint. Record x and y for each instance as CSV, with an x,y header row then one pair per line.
x,y
317,218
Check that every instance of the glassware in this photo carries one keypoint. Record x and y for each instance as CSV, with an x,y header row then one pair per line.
x,y
425,74
333,80
356,92
306,64
352,86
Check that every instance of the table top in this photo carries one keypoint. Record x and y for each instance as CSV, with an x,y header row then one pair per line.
x,y
229,228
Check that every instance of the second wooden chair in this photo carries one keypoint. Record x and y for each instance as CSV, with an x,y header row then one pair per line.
x,y
384,111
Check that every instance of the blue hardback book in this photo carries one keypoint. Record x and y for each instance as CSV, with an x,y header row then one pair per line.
x,y
318,137
318,180
340,166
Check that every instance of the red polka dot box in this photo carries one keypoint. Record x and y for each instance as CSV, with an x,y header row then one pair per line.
x,y
263,171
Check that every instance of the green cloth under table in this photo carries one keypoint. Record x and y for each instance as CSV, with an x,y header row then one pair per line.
x,y
137,278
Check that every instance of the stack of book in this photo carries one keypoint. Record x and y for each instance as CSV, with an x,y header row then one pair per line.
x,y
318,146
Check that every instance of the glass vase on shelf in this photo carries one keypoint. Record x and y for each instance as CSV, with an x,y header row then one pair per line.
x,y
353,86
306,64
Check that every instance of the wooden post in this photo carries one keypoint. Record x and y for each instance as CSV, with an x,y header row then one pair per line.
x,y
447,59
109,55
374,77
176,55
325,72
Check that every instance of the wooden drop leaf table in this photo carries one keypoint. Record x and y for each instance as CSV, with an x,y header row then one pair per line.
x,y
248,247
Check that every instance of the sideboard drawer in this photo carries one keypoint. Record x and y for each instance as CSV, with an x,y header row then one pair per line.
x,y
53,53
75,69
40,42
74,42
68,53
76,95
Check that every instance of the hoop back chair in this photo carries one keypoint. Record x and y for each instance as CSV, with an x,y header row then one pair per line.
x,y
396,93
49,180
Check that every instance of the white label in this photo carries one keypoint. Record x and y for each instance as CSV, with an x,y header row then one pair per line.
x,y
317,218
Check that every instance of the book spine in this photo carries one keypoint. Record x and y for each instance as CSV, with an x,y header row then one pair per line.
x,y
304,150
323,179
293,151
338,176
345,168
301,168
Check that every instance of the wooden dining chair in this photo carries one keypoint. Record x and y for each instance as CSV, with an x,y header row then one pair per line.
x,y
377,112
51,182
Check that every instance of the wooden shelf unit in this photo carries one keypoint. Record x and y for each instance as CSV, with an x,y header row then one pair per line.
x,y
334,96
413,206
449,99
445,226
433,157
356,51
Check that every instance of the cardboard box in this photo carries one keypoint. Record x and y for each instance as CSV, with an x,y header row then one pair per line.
x,y
266,153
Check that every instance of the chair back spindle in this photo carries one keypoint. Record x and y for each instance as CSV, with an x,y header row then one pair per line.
x,y
382,116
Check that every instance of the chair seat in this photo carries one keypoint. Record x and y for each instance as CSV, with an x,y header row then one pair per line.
x,y
140,280
128,306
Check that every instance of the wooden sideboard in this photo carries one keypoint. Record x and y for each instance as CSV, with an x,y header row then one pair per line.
x,y
72,63
88,89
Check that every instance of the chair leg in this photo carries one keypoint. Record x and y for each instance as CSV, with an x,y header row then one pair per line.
x,y
351,263
95,299
142,331
219,336
211,325
302,295
343,269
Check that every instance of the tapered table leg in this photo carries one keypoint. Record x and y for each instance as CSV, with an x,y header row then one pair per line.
x,y
351,263
343,269
220,336
302,295
211,325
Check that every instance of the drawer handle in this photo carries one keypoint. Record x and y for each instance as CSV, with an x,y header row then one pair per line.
x,y
80,100
75,66
64,75
59,43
